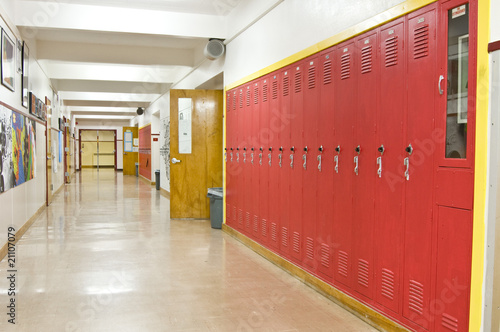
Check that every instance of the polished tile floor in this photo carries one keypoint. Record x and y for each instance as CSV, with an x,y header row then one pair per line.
x,y
106,257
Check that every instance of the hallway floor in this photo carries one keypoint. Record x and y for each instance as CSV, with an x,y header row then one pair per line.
x,y
106,257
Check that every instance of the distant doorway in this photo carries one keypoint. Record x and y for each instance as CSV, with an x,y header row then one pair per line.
x,y
97,149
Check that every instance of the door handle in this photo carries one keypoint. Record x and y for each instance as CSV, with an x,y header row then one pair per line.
x,y
441,78
175,161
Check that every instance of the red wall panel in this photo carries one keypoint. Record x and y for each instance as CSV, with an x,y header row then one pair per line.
x,y
145,152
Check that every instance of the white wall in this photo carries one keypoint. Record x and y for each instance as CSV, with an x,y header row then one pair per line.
x,y
19,204
103,125
291,27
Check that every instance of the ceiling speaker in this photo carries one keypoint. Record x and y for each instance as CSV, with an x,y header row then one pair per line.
x,y
140,111
215,49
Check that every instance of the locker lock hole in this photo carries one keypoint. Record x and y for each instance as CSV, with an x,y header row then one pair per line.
x,y
271,149
292,149
261,149
337,149
381,149
409,149
358,149
321,148
306,149
281,149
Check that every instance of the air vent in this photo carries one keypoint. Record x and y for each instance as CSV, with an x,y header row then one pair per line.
x,y
343,263
416,301
264,93
264,227
391,51
256,224
363,273
345,66
234,213
240,216
296,242
274,233
275,89
327,72
325,255
241,99
284,236
234,101
366,59
421,46
247,220
256,95
311,78
388,284
450,322
310,248
298,82
286,86
248,97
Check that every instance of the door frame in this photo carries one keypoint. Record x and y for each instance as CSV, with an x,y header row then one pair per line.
x,y
80,145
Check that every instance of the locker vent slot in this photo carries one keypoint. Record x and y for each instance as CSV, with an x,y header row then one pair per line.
x,y
229,103
366,59
325,255
421,47
449,322
248,97
388,284
241,99
275,89
256,224
298,82
228,215
311,78
255,96
234,213
345,66
274,233
416,301
391,51
310,248
247,219
264,227
343,263
286,86
296,242
327,72
264,93
234,102
240,217
284,236
363,272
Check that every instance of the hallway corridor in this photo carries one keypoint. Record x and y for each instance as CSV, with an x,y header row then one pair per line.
x,y
105,257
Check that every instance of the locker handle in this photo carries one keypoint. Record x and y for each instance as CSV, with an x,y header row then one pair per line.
x,y
336,159
269,156
319,163
244,157
231,156
225,157
260,159
237,157
304,157
356,162
441,78
379,163
280,156
251,156
407,172
291,161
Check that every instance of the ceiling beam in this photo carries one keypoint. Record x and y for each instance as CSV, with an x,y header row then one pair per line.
x,y
98,103
112,87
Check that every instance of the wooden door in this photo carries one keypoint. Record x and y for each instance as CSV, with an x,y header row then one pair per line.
x,y
129,158
200,167
48,134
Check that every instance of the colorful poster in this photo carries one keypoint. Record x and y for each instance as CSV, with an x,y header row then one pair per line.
x,y
30,150
18,148
6,167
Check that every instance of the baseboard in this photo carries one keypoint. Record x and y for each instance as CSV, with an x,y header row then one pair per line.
x,y
165,193
362,311
21,231
146,180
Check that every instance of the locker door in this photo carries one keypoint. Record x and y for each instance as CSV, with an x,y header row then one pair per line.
x,y
253,159
390,183
275,128
324,196
248,110
297,146
310,160
419,164
261,89
284,93
344,119
364,179
237,160
227,149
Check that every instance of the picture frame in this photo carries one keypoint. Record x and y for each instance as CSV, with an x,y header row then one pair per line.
x,y
19,56
8,61
25,75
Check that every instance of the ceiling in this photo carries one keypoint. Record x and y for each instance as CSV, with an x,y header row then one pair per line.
x,y
106,58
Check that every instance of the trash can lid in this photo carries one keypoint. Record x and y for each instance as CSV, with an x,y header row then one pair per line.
x,y
215,192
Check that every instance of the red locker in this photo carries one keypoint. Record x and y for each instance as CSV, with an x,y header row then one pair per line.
x,y
232,170
237,162
311,156
419,164
248,180
344,118
363,212
297,149
261,98
390,183
254,164
286,116
276,162
324,235
227,149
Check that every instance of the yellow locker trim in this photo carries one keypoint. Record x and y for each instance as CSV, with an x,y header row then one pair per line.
x,y
481,164
144,126
373,22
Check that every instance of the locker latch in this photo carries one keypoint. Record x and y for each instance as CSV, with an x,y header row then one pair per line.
x,y
291,156
225,155
280,156
260,156
238,155
407,172
251,156
356,165
304,158
336,159
245,156
319,157
270,156
379,163
231,154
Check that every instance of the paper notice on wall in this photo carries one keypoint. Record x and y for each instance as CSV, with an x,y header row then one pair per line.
x,y
459,11
136,142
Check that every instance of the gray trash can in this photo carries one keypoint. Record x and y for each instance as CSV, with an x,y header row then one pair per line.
x,y
215,195
137,169
157,179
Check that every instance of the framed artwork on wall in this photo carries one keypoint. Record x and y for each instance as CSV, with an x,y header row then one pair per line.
x,y
8,61
25,76
19,56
